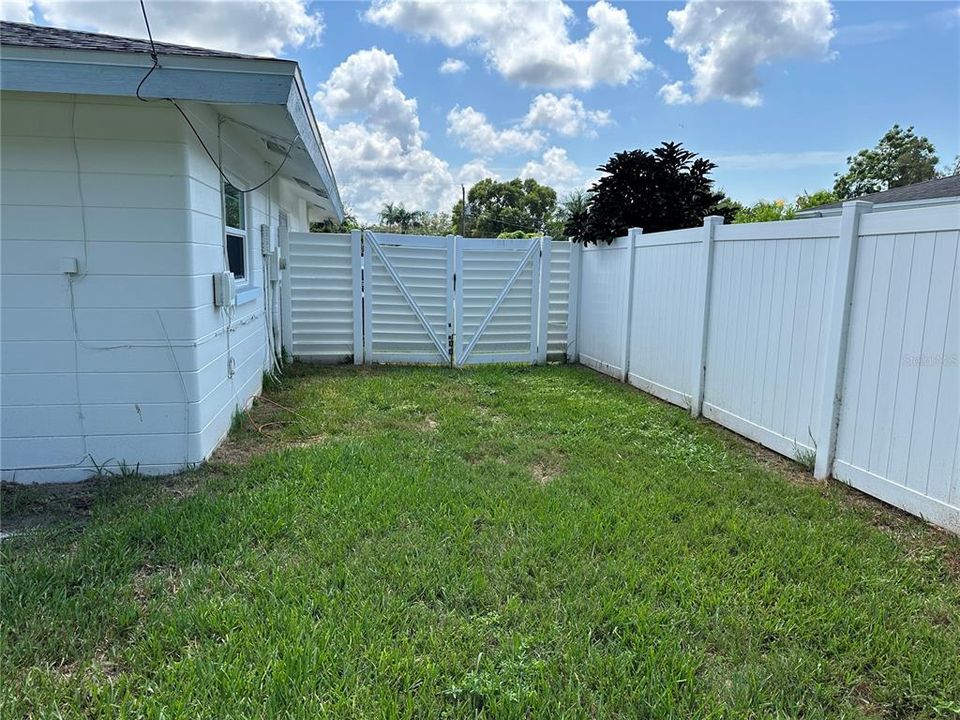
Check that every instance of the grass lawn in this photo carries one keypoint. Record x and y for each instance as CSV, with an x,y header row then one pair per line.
x,y
499,542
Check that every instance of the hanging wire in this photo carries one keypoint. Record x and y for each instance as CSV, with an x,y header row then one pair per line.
x,y
156,65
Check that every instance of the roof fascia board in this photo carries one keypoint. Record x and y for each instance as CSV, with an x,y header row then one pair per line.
x,y
298,105
202,79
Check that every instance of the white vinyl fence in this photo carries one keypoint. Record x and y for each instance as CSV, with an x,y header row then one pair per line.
x,y
830,339
388,298
317,282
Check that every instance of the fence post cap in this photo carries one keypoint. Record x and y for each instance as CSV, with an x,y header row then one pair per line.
x,y
635,231
713,220
861,205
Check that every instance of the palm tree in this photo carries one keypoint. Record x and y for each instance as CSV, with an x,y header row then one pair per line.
x,y
388,214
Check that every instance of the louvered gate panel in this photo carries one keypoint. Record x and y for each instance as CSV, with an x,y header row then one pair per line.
x,y
498,303
408,298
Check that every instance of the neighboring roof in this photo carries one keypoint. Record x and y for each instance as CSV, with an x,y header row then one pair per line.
x,y
37,36
947,187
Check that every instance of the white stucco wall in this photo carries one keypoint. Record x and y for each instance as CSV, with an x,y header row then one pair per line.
x,y
128,360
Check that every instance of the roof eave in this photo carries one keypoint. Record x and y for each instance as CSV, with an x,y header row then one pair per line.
x,y
232,81
300,109
828,211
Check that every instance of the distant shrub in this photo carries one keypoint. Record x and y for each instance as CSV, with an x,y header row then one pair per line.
x,y
765,211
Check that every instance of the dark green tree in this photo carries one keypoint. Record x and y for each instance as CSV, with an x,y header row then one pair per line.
x,y
900,158
666,189
494,207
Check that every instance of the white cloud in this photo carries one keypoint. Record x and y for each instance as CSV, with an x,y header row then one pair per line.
x,y
253,28
452,66
565,115
727,41
474,132
378,155
16,10
475,171
554,169
527,42
674,93
373,168
365,83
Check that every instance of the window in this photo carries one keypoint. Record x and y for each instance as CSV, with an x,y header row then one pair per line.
x,y
234,214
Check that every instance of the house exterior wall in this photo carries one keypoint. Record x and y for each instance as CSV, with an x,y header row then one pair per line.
x,y
128,360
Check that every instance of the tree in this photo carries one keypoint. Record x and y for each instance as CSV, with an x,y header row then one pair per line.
x,y
900,158
517,235
951,169
494,207
437,223
820,197
665,189
764,211
388,215
727,208
329,225
575,213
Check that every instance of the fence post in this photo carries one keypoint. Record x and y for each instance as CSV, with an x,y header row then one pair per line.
x,y
633,234
573,303
455,296
838,317
710,224
367,298
286,293
543,316
357,265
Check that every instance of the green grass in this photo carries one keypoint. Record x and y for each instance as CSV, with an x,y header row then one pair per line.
x,y
501,542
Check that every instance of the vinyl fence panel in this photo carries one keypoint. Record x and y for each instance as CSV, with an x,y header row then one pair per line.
x,y
839,332
664,300
320,272
899,426
766,330
602,335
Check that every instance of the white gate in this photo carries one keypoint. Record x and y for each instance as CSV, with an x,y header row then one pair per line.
x,y
500,290
387,298
407,298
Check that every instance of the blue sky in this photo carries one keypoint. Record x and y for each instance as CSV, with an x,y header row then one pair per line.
x,y
776,93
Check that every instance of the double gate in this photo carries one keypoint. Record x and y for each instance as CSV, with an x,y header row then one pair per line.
x,y
385,298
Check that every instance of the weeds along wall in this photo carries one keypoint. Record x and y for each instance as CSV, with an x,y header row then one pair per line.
x,y
834,341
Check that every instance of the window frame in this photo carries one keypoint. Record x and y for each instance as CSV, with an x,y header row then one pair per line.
x,y
242,233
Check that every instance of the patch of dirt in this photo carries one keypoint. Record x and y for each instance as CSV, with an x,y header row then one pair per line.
x,y
145,579
68,506
545,471
24,508
863,697
100,668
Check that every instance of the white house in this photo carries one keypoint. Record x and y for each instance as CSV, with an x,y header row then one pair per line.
x,y
123,341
